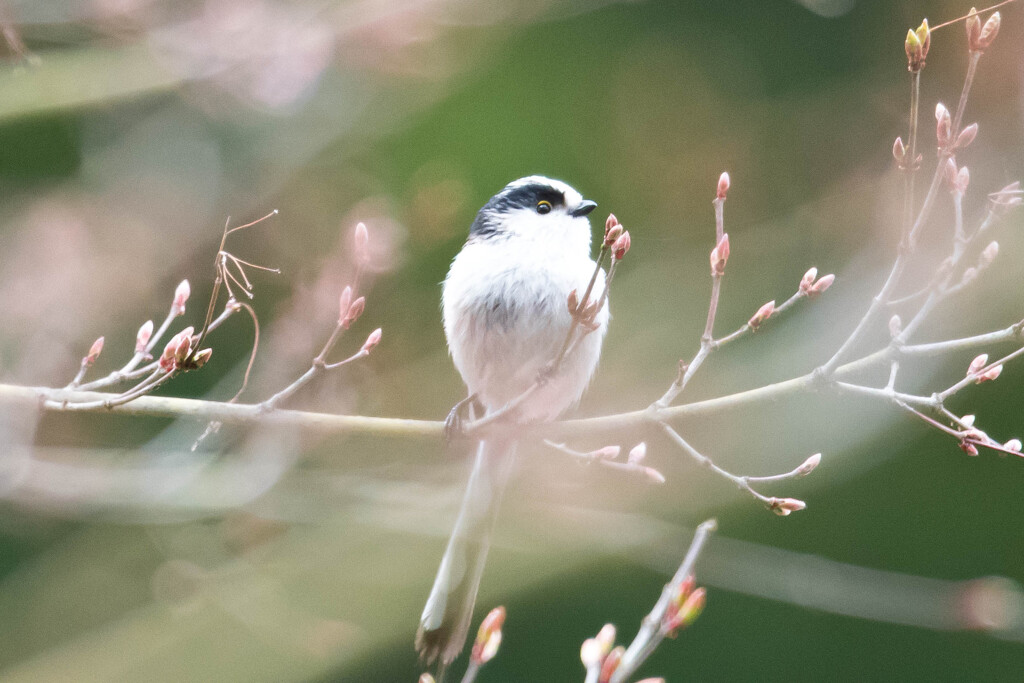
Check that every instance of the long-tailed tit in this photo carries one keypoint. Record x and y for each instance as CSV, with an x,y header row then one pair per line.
x,y
506,319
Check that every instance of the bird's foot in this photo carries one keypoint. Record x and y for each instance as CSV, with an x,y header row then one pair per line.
x,y
454,424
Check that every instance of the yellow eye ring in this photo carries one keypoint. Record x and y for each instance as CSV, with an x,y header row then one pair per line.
x,y
543,206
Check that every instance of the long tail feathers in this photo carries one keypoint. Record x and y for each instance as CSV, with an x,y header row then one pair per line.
x,y
449,610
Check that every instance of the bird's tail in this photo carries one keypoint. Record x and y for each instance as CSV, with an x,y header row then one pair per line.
x,y
449,610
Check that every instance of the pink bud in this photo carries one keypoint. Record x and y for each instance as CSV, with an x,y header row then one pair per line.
x,y
989,31
949,172
973,26
606,453
361,242
969,275
967,421
1013,445
784,506
621,246
898,150
354,311
762,314
723,186
895,326
808,279
637,453
963,179
181,295
612,235
991,374
610,223
719,256
606,638
94,351
654,475
977,364
823,283
968,448
990,252
611,663
488,637
590,653
372,340
143,336
344,303
201,357
966,136
808,465
943,125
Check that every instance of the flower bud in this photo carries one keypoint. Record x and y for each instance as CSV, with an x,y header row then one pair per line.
x,y
590,653
943,125
723,185
762,314
899,151
973,26
654,475
967,421
719,256
1013,445
426,678
912,46
361,242
991,374
808,279
963,179
949,172
988,32
823,283
143,336
988,255
978,363
895,326
612,235
94,352
784,506
372,340
606,638
201,357
611,663
637,453
488,637
621,246
808,465
181,294
968,447
606,453
966,136
354,311
344,302
610,223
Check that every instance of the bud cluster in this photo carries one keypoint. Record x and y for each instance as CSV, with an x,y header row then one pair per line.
x,y
916,46
685,606
979,37
812,285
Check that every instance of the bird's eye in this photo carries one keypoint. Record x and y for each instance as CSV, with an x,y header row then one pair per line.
x,y
543,207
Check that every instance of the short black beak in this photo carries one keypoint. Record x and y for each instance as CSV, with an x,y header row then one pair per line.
x,y
585,207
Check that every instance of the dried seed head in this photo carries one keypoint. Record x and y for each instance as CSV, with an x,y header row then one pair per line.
x,y
181,294
723,185
143,336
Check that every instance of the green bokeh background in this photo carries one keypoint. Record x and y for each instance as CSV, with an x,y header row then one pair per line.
x,y
118,166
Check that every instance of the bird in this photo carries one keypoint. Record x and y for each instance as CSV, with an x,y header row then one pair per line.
x,y
506,319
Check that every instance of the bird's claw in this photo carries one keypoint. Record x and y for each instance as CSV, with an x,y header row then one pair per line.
x,y
454,423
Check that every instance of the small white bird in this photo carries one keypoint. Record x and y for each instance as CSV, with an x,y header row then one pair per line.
x,y
506,319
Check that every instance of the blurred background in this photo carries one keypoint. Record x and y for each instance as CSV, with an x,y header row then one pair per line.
x,y
130,130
